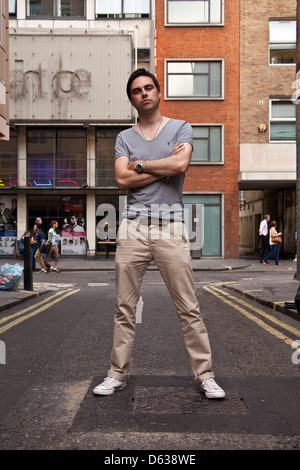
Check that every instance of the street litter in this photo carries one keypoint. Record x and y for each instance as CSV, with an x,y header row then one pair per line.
x,y
10,276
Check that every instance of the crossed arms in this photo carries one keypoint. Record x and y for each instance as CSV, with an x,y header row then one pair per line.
x,y
153,170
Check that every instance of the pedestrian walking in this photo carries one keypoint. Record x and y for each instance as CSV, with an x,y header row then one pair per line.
x,y
40,257
150,161
275,238
53,252
264,237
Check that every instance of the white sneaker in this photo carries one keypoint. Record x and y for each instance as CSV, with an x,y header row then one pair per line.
x,y
212,389
108,386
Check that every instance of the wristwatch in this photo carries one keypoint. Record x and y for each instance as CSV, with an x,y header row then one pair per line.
x,y
139,167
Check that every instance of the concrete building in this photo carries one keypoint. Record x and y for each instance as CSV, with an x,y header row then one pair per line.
x,y
267,174
69,65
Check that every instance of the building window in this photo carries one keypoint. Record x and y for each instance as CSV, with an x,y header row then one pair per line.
x,y
212,221
282,42
194,12
12,8
199,79
122,9
9,161
105,150
283,120
56,158
56,8
208,144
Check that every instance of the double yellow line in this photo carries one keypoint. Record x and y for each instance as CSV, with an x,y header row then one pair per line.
x,y
239,305
13,320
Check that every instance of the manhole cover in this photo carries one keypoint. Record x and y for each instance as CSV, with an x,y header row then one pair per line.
x,y
182,400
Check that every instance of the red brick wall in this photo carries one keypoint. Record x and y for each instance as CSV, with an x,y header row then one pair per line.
x,y
221,42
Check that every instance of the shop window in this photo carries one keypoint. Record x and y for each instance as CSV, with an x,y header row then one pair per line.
x,y
208,144
282,42
70,212
9,161
105,151
56,8
122,9
8,223
283,120
194,12
211,220
199,79
56,158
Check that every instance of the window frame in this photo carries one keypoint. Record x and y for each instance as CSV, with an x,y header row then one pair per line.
x,y
53,136
273,120
194,98
280,43
166,22
12,14
56,17
209,161
122,15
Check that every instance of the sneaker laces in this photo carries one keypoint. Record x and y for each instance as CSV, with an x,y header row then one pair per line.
x,y
210,383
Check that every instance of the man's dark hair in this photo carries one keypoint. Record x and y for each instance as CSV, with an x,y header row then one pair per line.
x,y
139,73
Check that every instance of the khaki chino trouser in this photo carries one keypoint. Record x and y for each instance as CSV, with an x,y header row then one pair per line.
x,y
137,244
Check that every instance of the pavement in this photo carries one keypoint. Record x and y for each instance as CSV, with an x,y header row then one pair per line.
x,y
277,292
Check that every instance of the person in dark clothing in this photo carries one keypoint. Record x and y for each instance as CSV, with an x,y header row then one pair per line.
x,y
39,257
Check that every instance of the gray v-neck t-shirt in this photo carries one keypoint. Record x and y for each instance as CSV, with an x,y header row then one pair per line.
x,y
162,199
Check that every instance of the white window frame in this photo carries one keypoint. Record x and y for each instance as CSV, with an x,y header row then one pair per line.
x,y
166,23
272,100
209,162
194,98
280,43
122,14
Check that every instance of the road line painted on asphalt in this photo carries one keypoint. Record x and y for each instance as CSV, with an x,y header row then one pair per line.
x,y
249,315
273,319
139,310
32,307
98,284
62,295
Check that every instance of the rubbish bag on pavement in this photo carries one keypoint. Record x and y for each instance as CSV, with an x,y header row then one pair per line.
x,y
10,276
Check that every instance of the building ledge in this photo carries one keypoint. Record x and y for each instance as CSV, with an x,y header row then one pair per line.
x,y
266,180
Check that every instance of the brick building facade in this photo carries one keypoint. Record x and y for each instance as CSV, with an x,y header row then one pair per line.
x,y
267,175
207,42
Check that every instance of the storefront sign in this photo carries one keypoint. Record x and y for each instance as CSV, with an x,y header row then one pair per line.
x,y
78,78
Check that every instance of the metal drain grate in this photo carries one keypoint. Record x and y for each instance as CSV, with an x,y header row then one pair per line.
x,y
183,400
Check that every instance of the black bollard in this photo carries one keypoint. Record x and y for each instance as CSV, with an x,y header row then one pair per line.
x,y
28,284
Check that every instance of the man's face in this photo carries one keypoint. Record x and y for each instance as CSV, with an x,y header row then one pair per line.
x,y
144,94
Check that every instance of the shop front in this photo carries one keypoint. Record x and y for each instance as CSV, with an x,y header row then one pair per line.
x,y
70,213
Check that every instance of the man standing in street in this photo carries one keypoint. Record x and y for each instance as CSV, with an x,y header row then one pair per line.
x,y
150,161
264,237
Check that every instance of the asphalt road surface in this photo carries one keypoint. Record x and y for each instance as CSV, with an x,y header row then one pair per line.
x,y
57,347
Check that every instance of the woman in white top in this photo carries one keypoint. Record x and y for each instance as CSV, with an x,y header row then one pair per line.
x,y
54,248
273,243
